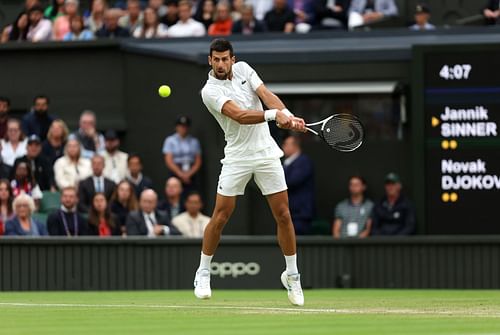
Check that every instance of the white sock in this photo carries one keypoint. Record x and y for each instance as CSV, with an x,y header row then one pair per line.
x,y
291,265
205,262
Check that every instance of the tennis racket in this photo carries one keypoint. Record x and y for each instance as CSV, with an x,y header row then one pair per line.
x,y
343,132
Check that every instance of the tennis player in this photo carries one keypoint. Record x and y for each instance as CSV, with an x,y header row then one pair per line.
x,y
232,94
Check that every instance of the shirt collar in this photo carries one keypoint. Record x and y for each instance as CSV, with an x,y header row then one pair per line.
x,y
291,159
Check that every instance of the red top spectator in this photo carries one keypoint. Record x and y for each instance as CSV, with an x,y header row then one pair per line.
x,y
223,24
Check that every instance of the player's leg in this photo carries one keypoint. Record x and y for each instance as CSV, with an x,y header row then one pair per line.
x,y
270,178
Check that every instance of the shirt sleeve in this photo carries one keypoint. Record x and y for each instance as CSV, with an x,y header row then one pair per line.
x,y
252,76
168,146
337,213
196,146
214,99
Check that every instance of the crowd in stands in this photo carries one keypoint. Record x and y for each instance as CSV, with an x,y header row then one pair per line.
x,y
67,20
61,183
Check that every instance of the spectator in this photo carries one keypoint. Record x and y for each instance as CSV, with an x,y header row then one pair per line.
x,y
54,10
237,10
280,18
158,6
492,12
186,26
422,17
172,204
367,11
248,25
6,197
206,14
352,215
5,170
17,31
151,27
71,168
66,221
14,146
147,220
40,168
115,167
96,19
62,25
4,115
111,29
135,176
304,14
172,16
223,23
53,146
182,154
96,183
101,221
28,4
38,120
22,224
22,182
299,174
394,214
331,14
192,222
134,17
89,137
261,7
40,29
123,202
77,30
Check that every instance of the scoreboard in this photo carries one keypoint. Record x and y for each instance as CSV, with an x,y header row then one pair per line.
x,y
459,88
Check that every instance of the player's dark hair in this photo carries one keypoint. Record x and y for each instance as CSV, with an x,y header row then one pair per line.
x,y
360,178
221,45
5,99
41,96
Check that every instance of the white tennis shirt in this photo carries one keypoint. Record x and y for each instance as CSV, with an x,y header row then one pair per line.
x,y
243,142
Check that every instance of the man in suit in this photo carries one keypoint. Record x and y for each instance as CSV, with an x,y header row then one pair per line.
x,y
492,12
96,183
299,174
41,169
135,175
66,221
147,221
173,204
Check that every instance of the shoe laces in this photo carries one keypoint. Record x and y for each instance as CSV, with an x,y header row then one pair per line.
x,y
204,279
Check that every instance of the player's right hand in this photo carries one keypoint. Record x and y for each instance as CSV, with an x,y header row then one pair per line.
x,y
284,121
298,124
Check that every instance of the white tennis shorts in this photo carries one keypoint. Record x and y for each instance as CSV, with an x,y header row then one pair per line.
x,y
268,175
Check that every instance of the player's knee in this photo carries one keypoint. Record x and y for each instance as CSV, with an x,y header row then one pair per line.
x,y
221,217
283,215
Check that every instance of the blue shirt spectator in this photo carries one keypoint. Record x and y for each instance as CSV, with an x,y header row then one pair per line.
x,y
23,223
38,121
183,154
85,35
422,17
299,174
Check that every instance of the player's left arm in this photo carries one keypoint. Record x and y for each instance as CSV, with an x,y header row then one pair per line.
x,y
272,101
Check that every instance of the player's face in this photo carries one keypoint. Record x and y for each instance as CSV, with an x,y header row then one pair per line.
x,y
221,63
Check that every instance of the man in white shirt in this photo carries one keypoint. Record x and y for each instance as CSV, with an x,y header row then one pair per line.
x,y
192,222
40,28
232,95
115,167
186,26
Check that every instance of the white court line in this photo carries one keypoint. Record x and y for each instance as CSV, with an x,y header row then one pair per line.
x,y
381,311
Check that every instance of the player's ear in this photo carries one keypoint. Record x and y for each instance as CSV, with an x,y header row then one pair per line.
x,y
209,60
233,59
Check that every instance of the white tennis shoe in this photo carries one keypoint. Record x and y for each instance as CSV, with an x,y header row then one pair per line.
x,y
292,285
202,284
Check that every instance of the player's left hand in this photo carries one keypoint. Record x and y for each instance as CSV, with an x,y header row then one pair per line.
x,y
298,124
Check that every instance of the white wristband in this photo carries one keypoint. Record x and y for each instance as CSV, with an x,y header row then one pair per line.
x,y
287,112
270,114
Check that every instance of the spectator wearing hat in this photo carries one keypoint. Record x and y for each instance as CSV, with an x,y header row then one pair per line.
x,y
111,29
115,167
4,115
422,17
135,176
40,168
182,154
96,183
491,12
38,120
352,215
40,29
368,11
394,214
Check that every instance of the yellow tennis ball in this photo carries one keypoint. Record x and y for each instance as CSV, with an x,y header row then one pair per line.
x,y
164,91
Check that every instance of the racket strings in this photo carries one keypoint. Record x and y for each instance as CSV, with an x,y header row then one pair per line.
x,y
343,133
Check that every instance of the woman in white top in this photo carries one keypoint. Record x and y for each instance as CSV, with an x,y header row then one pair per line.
x,y
71,168
14,145
151,27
